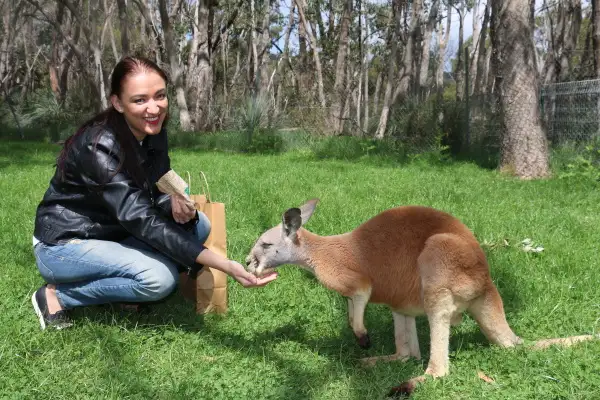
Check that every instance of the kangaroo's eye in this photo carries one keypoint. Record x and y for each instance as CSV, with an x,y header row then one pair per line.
x,y
266,245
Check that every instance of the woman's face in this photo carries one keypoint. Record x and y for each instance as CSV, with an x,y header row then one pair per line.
x,y
143,102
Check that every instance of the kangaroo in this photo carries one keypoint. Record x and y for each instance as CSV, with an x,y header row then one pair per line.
x,y
416,260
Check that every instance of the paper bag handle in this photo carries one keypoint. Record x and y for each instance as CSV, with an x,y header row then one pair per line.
x,y
189,182
206,183
203,184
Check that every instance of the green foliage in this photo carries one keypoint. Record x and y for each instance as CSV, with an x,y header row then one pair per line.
x,y
266,141
43,117
353,149
416,124
579,161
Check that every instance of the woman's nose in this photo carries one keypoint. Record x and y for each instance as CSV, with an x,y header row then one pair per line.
x,y
153,108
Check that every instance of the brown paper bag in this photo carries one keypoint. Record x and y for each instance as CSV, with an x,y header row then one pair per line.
x,y
210,292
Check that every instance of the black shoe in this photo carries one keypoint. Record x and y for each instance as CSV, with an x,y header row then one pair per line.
x,y
134,308
58,320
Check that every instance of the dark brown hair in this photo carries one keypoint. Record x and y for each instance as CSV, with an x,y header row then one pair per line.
x,y
115,121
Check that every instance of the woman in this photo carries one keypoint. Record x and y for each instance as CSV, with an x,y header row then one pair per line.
x,y
103,232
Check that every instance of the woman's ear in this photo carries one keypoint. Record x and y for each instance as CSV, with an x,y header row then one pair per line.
x,y
114,99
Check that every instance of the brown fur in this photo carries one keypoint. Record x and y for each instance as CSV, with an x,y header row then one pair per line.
x,y
417,260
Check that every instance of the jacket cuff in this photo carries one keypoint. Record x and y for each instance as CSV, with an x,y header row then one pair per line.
x,y
192,253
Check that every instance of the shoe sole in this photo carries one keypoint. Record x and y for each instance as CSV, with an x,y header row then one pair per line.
x,y
38,312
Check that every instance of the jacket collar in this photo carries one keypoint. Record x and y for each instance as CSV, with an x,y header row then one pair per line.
x,y
151,144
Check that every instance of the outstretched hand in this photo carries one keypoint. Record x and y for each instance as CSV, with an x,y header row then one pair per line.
x,y
246,279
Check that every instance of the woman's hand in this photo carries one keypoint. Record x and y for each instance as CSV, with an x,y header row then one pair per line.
x,y
245,278
233,269
183,209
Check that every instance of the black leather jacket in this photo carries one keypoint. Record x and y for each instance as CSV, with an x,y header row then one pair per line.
x,y
92,202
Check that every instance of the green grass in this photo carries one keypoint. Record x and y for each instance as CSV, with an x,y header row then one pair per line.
x,y
290,340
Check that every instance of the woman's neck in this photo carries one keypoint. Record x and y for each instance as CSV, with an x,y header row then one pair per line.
x,y
139,136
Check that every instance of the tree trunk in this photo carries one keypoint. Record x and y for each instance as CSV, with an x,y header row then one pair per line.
x,y
304,68
176,72
408,60
365,71
377,93
585,71
596,36
315,52
477,44
524,149
335,116
156,46
8,46
100,77
54,62
99,98
123,27
29,65
482,58
254,49
391,75
113,43
331,24
443,42
202,68
319,17
564,32
551,67
571,34
491,76
225,61
263,55
460,87
284,60
424,70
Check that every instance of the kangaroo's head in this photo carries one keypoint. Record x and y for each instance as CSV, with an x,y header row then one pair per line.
x,y
280,244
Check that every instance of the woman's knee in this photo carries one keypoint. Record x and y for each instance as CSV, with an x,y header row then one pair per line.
x,y
203,227
157,283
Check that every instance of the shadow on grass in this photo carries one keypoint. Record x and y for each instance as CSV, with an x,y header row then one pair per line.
x,y
340,349
379,323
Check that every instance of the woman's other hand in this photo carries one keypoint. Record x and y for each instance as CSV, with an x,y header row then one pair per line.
x,y
183,209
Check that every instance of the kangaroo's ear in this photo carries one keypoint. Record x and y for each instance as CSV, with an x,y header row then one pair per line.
x,y
291,222
307,209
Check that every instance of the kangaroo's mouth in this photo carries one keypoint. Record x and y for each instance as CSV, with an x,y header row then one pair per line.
x,y
263,271
254,266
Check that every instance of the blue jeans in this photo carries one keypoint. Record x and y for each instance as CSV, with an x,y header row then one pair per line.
x,y
88,272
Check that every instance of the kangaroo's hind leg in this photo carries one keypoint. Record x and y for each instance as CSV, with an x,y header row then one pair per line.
x,y
488,311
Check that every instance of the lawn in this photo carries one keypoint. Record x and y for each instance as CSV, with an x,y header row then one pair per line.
x,y
290,340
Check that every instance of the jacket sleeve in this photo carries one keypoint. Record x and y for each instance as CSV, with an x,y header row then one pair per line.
x,y
132,206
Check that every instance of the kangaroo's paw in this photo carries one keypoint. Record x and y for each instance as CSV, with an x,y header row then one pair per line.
x,y
364,341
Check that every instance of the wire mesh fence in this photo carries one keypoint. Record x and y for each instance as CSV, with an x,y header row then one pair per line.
x,y
571,111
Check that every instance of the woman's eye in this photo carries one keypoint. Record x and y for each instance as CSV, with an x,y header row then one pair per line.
x,y
139,101
162,96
